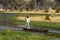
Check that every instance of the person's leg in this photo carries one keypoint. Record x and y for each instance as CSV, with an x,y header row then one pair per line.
x,y
28,26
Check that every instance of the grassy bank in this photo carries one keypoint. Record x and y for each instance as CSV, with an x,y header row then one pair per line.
x,y
46,24
23,35
54,25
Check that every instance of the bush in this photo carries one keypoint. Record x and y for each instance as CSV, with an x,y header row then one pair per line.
x,y
47,17
57,11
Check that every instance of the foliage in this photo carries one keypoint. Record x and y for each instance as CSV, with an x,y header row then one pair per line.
x,y
10,4
23,35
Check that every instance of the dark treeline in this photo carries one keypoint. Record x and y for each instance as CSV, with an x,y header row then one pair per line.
x,y
32,4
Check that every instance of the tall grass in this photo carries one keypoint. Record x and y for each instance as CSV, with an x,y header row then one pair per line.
x,y
41,24
23,35
46,24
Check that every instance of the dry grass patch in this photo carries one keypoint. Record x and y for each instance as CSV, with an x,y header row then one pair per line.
x,y
41,18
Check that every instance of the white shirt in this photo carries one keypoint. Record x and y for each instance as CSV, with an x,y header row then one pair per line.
x,y
28,20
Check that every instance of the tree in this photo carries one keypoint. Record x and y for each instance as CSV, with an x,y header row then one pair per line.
x,y
12,3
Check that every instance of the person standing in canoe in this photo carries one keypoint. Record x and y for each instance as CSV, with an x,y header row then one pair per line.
x,y
27,22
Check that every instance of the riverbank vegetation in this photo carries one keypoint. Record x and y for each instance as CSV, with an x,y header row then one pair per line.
x,y
41,24
23,35
29,5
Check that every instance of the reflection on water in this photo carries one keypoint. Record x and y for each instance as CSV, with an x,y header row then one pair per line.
x,y
54,31
7,15
57,39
